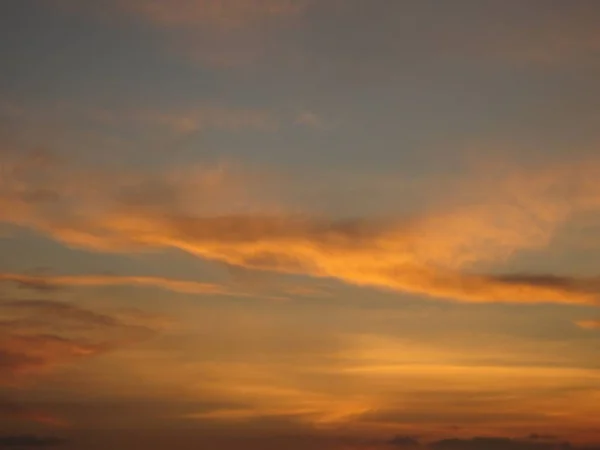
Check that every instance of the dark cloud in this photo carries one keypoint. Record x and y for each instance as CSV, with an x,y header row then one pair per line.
x,y
496,443
24,441
542,437
12,411
404,441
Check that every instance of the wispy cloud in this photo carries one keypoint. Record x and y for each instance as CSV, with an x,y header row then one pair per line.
x,y
37,335
10,411
435,254
221,33
44,282
182,120
589,324
224,14
311,120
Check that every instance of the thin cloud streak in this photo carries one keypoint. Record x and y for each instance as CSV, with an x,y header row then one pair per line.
x,y
223,14
37,335
589,324
11,411
42,282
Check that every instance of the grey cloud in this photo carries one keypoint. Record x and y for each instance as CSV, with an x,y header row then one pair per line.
x,y
404,441
25,441
496,443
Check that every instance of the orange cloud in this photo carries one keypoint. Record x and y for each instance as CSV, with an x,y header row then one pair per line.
x,y
589,324
55,281
49,282
37,335
434,254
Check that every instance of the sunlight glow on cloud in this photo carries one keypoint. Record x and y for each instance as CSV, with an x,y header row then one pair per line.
x,y
589,324
435,254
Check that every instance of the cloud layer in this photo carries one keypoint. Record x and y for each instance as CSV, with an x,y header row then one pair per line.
x,y
436,253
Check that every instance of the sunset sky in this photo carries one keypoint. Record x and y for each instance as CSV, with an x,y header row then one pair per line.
x,y
300,224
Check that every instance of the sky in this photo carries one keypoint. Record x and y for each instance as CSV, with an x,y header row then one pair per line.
x,y
300,224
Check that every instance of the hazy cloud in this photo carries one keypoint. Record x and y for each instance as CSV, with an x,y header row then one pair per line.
x,y
36,335
184,120
589,324
11,411
221,33
223,14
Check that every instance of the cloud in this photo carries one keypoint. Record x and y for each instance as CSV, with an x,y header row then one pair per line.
x,y
25,441
311,120
49,282
542,437
404,441
181,121
438,253
474,443
589,324
495,443
37,335
205,117
565,35
481,443
222,14
220,33
11,411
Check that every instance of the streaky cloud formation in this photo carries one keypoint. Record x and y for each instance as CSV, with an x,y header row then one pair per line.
x,y
183,120
13,411
435,254
48,282
37,335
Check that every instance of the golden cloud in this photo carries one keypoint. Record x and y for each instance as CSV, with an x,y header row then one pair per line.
x,y
436,253
589,324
